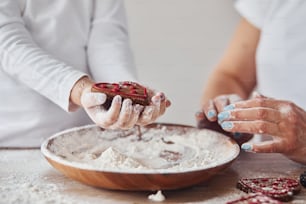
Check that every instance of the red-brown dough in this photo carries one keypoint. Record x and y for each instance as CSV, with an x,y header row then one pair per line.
x,y
281,189
132,90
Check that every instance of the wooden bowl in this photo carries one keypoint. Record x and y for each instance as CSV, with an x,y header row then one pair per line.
x,y
185,162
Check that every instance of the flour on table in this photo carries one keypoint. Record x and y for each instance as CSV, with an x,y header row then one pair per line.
x,y
158,197
159,149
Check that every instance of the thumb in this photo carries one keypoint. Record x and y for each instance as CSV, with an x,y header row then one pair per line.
x,y
90,99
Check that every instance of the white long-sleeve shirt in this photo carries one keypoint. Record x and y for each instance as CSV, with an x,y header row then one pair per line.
x,y
45,47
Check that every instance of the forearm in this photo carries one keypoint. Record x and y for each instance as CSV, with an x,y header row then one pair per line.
x,y
220,83
236,71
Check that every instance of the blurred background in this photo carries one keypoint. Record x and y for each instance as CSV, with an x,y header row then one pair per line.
x,y
176,43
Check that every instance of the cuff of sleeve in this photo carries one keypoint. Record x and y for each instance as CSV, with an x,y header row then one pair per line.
x,y
66,87
250,11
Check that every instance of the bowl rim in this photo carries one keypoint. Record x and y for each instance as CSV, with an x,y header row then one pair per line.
x,y
49,155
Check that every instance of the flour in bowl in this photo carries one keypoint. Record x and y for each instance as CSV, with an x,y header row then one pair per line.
x,y
158,149
112,158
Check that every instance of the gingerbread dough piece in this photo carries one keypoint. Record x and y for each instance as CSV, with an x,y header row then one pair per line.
x,y
132,90
281,189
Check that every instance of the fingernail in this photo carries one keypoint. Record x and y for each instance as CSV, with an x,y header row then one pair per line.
x,y
138,108
237,135
162,96
127,104
227,125
117,99
156,100
223,115
211,114
247,147
229,107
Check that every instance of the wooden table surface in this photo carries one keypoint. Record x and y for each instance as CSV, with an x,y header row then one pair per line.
x,y
26,177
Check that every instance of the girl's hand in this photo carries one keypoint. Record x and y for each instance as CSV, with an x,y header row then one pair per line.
x,y
122,114
158,105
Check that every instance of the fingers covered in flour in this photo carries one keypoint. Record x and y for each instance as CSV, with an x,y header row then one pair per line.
x,y
93,104
107,118
128,116
157,108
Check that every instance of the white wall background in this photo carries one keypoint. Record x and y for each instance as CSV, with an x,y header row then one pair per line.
x,y
176,43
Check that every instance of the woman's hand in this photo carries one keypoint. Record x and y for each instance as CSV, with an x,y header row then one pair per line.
x,y
284,121
207,118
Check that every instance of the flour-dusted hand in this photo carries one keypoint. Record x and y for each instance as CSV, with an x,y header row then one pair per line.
x,y
157,107
284,121
120,115
123,113
153,103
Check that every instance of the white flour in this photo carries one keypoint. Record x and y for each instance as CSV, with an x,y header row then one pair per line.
x,y
160,149
158,197
111,158
285,109
23,180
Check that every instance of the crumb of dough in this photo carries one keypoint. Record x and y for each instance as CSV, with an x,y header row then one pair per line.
x,y
158,197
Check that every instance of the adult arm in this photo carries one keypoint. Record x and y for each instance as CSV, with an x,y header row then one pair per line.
x,y
236,71
233,79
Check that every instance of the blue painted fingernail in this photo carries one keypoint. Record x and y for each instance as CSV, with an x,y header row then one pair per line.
x,y
247,147
227,125
223,115
229,107
211,114
237,135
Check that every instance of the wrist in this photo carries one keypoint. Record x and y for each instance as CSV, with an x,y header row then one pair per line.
x,y
78,88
